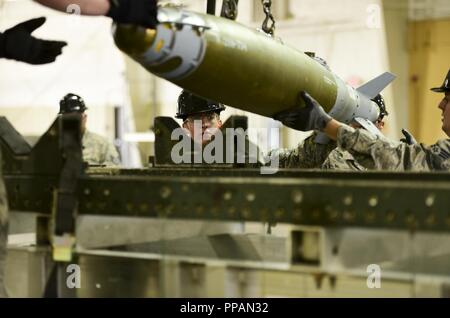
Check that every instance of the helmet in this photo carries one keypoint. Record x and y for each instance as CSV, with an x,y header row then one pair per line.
x,y
445,86
379,100
190,104
71,103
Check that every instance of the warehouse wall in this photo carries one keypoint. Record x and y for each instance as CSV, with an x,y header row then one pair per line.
x,y
396,26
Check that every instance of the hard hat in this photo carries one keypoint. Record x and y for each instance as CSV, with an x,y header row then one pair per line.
x,y
71,103
445,86
190,104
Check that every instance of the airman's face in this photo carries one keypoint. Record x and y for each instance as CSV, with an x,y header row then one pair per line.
x,y
445,107
206,123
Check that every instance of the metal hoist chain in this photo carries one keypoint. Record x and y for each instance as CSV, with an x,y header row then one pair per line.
x,y
268,25
230,9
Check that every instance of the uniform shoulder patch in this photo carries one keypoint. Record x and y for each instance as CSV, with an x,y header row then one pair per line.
x,y
442,149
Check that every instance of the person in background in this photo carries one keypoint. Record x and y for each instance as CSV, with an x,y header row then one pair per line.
x,y
97,150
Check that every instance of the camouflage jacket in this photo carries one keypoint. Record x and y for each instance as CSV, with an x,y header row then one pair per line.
x,y
307,155
340,159
395,156
97,150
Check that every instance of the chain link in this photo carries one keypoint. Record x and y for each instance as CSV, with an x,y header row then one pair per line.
x,y
230,9
268,25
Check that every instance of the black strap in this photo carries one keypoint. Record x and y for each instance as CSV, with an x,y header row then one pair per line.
x,y
70,143
66,205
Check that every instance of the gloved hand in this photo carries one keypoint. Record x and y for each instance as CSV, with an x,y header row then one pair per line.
x,y
310,117
409,139
18,44
139,12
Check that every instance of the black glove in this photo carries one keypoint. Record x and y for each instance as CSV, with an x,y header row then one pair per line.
x,y
18,44
139,12
310,117
409,139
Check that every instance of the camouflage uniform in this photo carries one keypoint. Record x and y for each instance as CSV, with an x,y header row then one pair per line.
x,y
3,231
97,150
395,156
340,159
307,155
